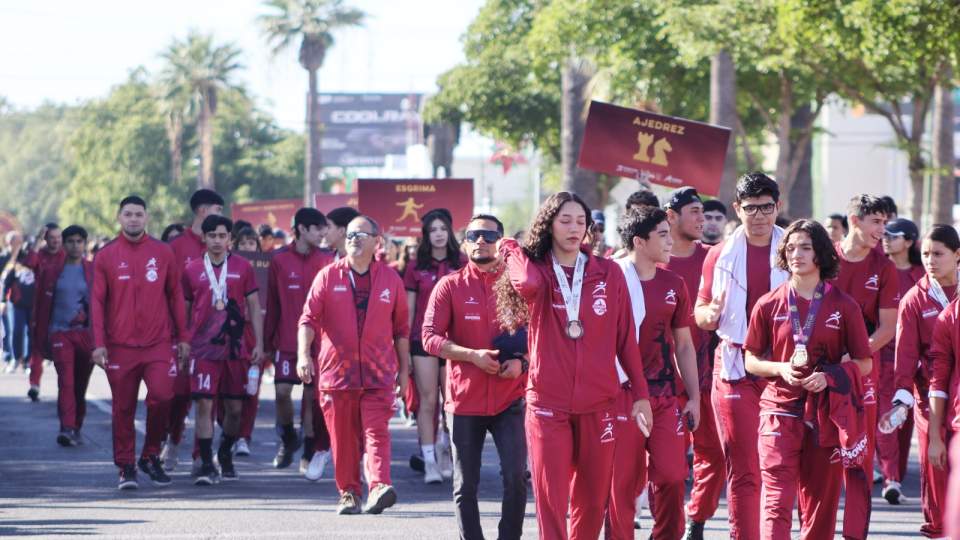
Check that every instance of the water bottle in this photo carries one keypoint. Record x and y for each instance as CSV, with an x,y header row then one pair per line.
x,y
253,380
893,419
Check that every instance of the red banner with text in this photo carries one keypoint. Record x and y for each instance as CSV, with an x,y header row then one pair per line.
x,y
398,205
276,213
325,202
654,148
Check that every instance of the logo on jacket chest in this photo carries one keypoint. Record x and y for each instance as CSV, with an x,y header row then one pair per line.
x,y
600,298
872,283
385,296
833,321
671,297
152,268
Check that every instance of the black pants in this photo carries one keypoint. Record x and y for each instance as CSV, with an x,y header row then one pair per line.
x,y
468,434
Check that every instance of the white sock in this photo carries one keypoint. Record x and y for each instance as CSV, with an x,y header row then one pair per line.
x,y
429,454
442,438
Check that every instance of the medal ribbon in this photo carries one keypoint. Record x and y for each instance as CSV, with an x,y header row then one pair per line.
x,y
802,335
218,286
571,295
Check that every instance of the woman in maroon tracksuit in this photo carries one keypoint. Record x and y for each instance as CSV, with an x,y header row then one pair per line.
x,y
800,337
580,321
916,323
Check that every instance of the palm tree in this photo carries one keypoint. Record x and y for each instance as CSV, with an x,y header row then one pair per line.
x,y
199,68
175,105
312,22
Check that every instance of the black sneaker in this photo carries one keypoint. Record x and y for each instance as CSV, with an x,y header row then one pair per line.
x,y
380,498
348,504
227,471
153,468
284,457
206,476
65,438
34,393
128,478
76,437
416,463
694,530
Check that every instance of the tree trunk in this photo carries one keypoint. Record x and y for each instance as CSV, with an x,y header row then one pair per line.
x,y
205,127
723,112
800,194
574,104
784,142
312,164
915,201
944,190
175,139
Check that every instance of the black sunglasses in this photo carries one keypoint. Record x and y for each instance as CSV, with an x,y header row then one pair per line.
x,y
488,236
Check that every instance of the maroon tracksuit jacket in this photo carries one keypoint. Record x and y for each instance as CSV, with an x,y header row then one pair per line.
x,y
288,282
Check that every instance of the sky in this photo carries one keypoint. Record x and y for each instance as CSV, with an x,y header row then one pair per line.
x,y
66,51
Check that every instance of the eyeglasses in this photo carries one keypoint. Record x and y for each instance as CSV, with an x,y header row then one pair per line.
x,y
361,235
765,209
475,235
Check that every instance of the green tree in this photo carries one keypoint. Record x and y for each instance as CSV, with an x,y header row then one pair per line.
x,y
198,67
884,54
312,23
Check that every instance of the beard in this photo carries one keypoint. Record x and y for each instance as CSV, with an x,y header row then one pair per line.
x,y
477,259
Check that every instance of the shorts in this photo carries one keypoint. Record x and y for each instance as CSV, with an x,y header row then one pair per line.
x,y
285,369
218,378
416,349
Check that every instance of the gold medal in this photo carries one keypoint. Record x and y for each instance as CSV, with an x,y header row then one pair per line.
x,y
220,305
799,359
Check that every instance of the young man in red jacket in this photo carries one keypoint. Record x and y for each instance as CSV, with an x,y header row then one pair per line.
x,y
46,255
137,306
357,308
871,279
485,383
221,294
187,247
62,315
291,273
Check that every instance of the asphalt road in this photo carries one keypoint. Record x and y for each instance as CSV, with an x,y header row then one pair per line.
x,y
50,492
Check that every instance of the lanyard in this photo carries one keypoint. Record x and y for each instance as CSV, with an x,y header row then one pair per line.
x,y
571,295
801,336
937,293
218,286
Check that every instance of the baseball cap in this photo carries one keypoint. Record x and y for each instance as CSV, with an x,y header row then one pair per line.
x,y
902,227
598,217
681,197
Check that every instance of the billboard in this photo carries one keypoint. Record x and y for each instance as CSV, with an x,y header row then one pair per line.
x,y
276,213
325,202
654,148
359,130
398,205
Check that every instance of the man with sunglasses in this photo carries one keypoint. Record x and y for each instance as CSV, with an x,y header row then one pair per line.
x,y
871,279
736,273
357,309
486,380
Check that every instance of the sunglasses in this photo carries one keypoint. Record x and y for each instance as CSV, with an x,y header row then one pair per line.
x,y
765,209
475,235
358,235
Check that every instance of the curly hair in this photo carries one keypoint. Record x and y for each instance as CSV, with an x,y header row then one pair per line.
x,y
512,309
824,255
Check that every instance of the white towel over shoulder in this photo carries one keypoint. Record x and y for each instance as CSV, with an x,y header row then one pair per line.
x,y
635,287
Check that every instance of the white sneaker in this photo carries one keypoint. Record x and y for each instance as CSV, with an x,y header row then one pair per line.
x,y
317,465
431,473
168,456
241,448
445,461
11,367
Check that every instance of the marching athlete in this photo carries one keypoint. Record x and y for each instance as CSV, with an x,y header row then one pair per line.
x,y
901,244
187,247
579,323
292,270
63,330
357,310
808,339
916,317
871,279
136,306
485,381
662,311
736,273
46,255
438,254
221,293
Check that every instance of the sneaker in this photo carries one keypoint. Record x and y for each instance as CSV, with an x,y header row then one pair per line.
x,y
168,456
206,476
241,448
304,465
228,472
34,393
348,504
380,498
431,473
285,453
445,461
694,530
317,465
11,367
154,469
76,437
197,465
636,523
877,476
891,492
416,463
128,478
65,438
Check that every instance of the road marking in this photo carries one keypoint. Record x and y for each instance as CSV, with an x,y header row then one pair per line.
x,y
104,407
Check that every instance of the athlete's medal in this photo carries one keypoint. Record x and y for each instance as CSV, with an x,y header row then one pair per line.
x,y
801,335
217,286
571,295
